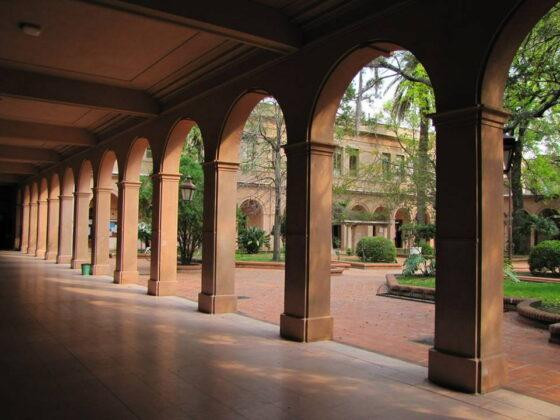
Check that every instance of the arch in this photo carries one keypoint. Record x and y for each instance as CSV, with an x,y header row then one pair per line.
x,y
134,158
43,189
230,136
68,183
360,207
54,189
402,214
174,145
85,177
510,36
105,170
381,213
336,83
34,192
253,209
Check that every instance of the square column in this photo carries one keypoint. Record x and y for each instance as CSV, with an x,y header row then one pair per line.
x,y
17,236
52,228
126,270
219,238
25,228
467,353
163,264
41,229
65,229
80,252
32,241
307,297
100,230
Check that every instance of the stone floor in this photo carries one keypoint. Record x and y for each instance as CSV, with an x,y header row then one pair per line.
x,y
394,327
82,347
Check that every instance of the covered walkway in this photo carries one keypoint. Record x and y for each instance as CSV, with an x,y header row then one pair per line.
x,y
80,347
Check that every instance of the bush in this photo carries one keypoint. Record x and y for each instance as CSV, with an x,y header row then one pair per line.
x,y
545,257
427,250
252,239
376,249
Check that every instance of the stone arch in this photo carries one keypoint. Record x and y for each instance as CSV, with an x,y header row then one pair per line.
x,y
230,136
85,177
360,207
253,209
54,189
507,41
134,158
104,178
381,213
68,184
43,192
337,81
401,216
174,145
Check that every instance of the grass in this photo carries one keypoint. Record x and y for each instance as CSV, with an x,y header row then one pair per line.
x,y
261,256
548,293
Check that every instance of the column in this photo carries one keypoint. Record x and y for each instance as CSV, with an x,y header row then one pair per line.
x,y
65,229
218,243
127,233
32,241
100,231
52,228
467,353
391,230
163,263
343,238
370,230
41,229
80,252
25,227
307,295
18,233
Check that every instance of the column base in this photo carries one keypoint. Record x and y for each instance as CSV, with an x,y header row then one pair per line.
x,y
475,376
306,329
40,253
77,264
50,255
162,288
101,270
63,259
217,304
125,277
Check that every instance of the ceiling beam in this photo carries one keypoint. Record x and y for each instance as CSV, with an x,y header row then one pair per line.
x,y
10,179
35,86
27,155
242,20
17,168
54,134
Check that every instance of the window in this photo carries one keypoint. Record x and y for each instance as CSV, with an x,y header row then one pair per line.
x,y
400,160
337,162
353,160
386,163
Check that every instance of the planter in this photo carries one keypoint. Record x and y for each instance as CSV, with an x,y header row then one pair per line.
x,y
373,266
528,309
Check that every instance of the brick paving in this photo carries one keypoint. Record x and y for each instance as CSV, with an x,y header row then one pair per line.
x,y
395,327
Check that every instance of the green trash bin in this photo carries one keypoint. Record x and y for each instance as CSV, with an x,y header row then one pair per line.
x,y
86,269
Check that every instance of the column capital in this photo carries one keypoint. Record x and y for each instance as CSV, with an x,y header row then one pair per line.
x,y
25,204
166,177
65,197
495,117
33,203
310,147
98,190
43,201
79,194
221,165
50,200
129,184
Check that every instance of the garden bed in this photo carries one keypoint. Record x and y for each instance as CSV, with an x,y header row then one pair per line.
x,y
536,301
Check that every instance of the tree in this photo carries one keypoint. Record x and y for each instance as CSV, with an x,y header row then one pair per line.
x,y
263,160
189,232
532,95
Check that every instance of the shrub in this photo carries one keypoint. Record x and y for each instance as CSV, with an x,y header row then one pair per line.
x,y
252,239
545,257
414,262
427,250
376,249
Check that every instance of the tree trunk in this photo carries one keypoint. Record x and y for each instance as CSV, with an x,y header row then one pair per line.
x,y
359,98
520,242
422,171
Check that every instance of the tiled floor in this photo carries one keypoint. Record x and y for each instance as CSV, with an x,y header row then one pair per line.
x,y
394,327
76,347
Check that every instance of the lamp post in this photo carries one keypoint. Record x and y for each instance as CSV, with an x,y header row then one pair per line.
x,y
187,189
509,149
